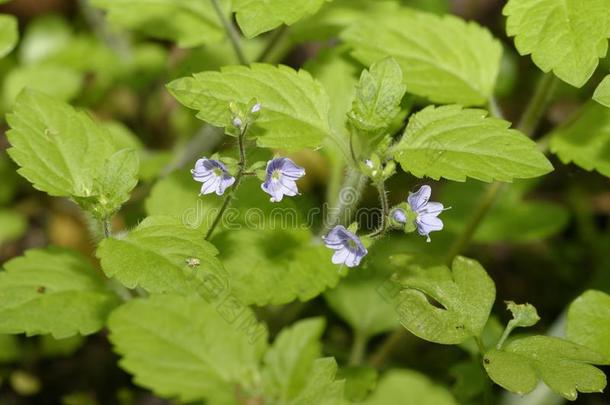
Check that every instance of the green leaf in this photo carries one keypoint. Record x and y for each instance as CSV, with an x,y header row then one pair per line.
x,y
470,381
120,177
9,35
186,347
177,196
112,188
411,387
444,58
156,256
564,367
122,137
12,225
65,153
465,294
492,332
192,23
276,266
456,143
567,37
337,72
585,140
378,96
336,16
524,315
602,93
359,298
57,81
289,361
321,387
255,17
53,291
359,382
514,217
295,107
589,321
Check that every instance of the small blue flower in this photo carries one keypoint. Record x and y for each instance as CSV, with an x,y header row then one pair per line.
x,y
214,176
348,248
427,211
282,173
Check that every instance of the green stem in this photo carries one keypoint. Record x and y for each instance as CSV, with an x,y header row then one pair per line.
x,y
358,349
107,227
348,200
387,347
95,19
475,220
241,167
276,38
537,105
231,33
494,108
385,210
507,331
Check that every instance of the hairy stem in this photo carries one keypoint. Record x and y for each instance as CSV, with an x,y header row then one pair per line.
x,y
385,210
107,227
358,349
231,33
241,167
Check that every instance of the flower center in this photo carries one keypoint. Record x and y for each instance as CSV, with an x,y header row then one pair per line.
x,y
276,174
217,171
351,245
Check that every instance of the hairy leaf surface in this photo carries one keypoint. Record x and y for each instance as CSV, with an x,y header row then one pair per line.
x,y
53,291
455,143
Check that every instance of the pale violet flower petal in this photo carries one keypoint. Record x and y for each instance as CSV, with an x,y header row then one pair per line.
x,y
225,182
281,174
427,211
428,223
433,208
419,198
340,256
349,250
214,176
210,186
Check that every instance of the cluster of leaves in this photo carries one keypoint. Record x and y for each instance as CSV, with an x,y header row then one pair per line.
x,y
181,310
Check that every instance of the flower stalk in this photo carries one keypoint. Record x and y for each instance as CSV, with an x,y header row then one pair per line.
x,y
241,168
